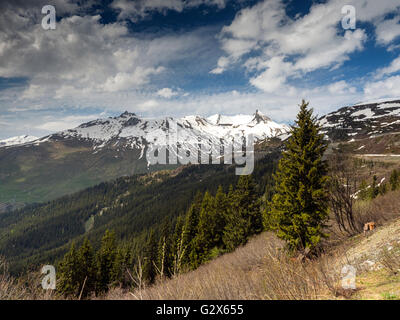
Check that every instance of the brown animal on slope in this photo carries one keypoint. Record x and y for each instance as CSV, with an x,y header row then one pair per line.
x,y
369,226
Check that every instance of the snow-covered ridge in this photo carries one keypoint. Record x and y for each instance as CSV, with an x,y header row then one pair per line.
x,y
363,120
17,140
137,130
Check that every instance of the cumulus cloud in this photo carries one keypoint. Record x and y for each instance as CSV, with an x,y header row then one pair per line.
x,y
84,58
85,64
308,42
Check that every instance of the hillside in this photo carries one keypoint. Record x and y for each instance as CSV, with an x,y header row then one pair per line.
x,y
129,205
106,149
260,270
362,121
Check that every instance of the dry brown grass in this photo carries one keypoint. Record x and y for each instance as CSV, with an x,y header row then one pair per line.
x,y
260,270
27,288
381,209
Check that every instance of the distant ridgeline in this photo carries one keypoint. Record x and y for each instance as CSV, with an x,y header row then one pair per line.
x,y
129,206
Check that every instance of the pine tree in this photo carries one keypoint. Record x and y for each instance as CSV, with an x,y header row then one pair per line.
x,y
105,262
87,269
121,264
299,205
246,200
221,211
204,240
150,255
68,273
178,248
191,229
244,217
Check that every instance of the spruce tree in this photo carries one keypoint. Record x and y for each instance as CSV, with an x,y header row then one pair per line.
x,y
178,248
244,217
150,255
299,206
204,240
87,269
192,220
246,200
68,273
105,261
121,264
221,211
191,229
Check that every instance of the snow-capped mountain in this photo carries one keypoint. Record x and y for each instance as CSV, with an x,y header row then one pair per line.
x,y
130,131
362,120
17,141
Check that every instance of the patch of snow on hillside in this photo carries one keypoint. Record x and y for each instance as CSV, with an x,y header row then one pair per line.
x,y
17,140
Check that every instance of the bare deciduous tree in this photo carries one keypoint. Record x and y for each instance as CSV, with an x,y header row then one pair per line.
x,y
342,193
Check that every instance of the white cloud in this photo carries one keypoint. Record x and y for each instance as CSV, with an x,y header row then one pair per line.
x,y
388,30
222,63
392,68
69,122
83,59
308,42
387,88
274,77
139,9
148,105
341,87
167,93
123,80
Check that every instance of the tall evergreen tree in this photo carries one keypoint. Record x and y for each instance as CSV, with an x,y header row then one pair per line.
x,y
246,200
299,205
221,212
150,255
68,273
244,217
204,240
105,261
87,269
178,248
121,264
191,229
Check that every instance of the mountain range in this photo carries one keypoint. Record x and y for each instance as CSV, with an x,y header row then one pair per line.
x,y
40,169
36,170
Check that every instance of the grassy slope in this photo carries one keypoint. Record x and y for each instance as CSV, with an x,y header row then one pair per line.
x,y
260,270
53,169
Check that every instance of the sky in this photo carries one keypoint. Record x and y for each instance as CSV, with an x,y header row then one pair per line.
x,y
161,58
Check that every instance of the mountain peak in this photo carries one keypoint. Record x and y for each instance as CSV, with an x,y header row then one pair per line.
x,y
127,114
260,117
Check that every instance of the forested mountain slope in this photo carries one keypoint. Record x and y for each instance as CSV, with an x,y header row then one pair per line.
x,y
129,206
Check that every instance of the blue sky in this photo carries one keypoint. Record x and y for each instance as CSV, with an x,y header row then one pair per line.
x,y
181,57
